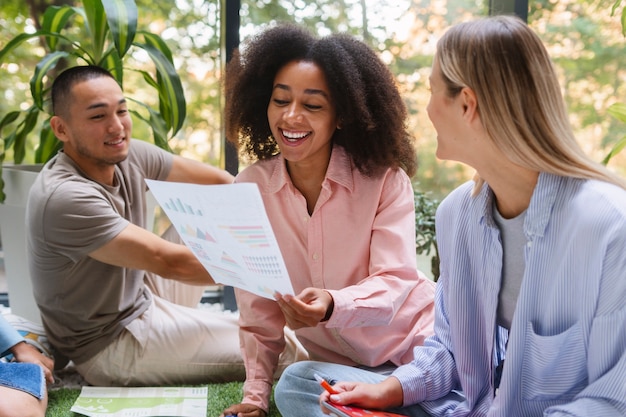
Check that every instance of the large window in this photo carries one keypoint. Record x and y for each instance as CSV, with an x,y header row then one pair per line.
x,y
582,36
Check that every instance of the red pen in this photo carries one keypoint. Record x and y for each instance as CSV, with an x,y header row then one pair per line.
x,y
325,384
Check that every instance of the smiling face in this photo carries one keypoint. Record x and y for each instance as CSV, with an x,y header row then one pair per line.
x,y
96,127
301,114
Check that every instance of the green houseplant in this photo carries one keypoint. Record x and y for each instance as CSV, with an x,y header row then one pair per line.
x,y
425,236
617,110
103,33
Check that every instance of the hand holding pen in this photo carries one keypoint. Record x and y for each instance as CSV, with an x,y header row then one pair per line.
x,y
374,396
325,384
325,396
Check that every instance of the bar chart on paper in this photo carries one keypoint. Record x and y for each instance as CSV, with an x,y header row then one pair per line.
x,y
252,236
227,229
177,205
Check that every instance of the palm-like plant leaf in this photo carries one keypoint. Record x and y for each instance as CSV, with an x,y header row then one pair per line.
x,y
41,69
27,126
48,144
617,110
54,20
113,63
7,142
171,96
15,42
623,16
122,17
617,148
159,127
96,25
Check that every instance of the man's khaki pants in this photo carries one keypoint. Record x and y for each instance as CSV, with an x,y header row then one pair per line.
x,y
174,342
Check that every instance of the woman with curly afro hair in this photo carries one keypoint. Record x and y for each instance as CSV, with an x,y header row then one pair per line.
x,y
325,125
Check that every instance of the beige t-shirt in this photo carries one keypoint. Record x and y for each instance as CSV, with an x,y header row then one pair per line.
x,y
85,303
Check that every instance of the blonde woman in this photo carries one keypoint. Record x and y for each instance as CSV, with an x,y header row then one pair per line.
x,y
531,303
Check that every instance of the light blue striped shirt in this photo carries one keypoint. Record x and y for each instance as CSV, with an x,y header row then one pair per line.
x,y
566,352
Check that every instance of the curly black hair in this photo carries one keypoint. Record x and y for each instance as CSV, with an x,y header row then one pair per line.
x,y
368,104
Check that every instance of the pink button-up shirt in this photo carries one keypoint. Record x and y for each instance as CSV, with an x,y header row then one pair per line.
x,y
359,244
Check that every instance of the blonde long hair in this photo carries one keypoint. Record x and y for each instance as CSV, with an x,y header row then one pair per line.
x,y
519,98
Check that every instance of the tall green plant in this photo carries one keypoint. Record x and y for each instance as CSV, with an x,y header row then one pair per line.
x,y
618,110
425,236
101,33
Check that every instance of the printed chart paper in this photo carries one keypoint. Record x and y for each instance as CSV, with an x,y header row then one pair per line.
x,y
228,230
141,402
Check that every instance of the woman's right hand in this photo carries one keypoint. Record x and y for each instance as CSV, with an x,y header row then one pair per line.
x,y
306,309
379,396
243,410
